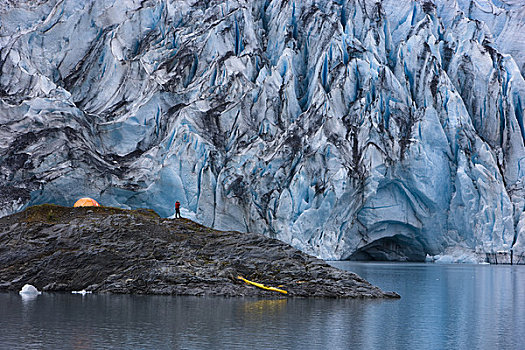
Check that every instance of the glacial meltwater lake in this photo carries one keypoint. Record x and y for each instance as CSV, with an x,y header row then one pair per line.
x,y
442,307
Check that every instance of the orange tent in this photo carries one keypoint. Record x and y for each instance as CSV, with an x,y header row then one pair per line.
x,y
86,202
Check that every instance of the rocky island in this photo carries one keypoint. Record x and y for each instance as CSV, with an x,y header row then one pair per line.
x,y
111,250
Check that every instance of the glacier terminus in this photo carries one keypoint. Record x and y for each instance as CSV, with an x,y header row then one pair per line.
x,y
351,129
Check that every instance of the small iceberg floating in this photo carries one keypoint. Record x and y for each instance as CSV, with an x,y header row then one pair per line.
x,y
29,289
83,292
29,292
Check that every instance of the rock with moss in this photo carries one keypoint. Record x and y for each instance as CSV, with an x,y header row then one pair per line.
x,y
111,250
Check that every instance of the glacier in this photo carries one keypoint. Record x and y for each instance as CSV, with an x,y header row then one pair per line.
x,y
351,129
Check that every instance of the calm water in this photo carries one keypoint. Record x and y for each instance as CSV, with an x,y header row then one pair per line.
x,y
443,307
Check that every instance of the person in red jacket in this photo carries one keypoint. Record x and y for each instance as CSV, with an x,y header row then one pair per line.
x,y
177,209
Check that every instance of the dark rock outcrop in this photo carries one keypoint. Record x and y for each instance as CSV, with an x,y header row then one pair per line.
x,y
121,251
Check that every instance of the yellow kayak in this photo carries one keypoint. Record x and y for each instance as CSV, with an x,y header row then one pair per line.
x,y
262,286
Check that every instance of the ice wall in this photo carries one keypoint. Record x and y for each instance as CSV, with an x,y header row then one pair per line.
x,y
350,129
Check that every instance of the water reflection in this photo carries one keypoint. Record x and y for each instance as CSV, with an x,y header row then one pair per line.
x,y
28,298
443,307
450,306
261,308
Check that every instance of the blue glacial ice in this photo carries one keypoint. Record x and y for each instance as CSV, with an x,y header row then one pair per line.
x,y
353,129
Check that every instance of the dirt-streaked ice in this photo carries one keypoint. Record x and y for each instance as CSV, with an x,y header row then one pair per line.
x,y
388,130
